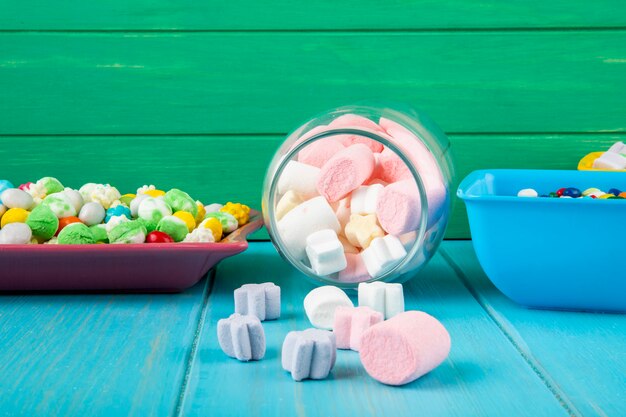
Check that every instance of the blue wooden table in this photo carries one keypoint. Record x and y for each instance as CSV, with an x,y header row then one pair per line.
x,y
157,355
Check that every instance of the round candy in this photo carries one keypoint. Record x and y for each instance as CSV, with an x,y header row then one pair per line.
x,y
75,198
229,222
76,234
14,215
189,220
181,201
592,191
560,191
51,185
15,234
215,226
119,210
213,207
134,204
66,221
623,194
43,222
553,195
16,198
158,237
154,193
605,196
4,185
240,211
614,191
174,227
99,233
128,232
152,210
527,192
60,204
92,213
572,192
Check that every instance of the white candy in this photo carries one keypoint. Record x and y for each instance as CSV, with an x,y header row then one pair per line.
x,y
114,221
527,192
104,194
212,208
92,213
299,177
382,255
610,160
135,202
15,234
200,234
309,217
60,204
387,299
16,198
364,199
325,252
320,305
75,198
150,207
286,203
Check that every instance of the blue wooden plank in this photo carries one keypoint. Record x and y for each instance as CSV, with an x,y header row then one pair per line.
x,y
581,356
484,375
96,355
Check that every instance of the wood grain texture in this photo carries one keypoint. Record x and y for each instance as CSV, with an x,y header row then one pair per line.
x,y
96,355
222,168
319,14
482,376
582,354
140,83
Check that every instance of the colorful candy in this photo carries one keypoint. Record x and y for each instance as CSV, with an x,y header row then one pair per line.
x,y
572,192
239,211
158,237
14,215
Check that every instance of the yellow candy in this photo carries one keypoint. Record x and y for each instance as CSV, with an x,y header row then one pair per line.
x,y
201,212
187,218
215,226
241,212
602,197
14,215
155,193
129,195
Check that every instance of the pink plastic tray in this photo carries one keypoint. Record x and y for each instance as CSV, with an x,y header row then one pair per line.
x,y
156,267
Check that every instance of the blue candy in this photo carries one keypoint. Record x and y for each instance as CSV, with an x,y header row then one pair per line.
x,y
118,210
572,192
614,191
310,353
5,184
241,337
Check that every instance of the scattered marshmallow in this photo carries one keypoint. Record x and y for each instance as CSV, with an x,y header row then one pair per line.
x,y
382,255
287,202
386,298
325,252
299,177
402,349
259,300
309,354
351,323
365,198
362,229
241,337
345,172
320,305
528,192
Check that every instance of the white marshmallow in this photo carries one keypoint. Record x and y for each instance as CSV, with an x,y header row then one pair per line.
x,y
92,213
364,199
286,203
382,255
320,305
325,252
16,198
618,147
610,160
299,177
387,299
527,192
75,198
309,217
15,234
135,202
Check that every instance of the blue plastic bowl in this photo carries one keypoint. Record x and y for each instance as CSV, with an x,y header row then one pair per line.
x,y
552,253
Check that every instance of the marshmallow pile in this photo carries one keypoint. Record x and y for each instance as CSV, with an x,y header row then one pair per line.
x,y
348,207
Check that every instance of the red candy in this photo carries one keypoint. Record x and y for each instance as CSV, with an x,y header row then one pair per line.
x,y
559,192
65,221
158,237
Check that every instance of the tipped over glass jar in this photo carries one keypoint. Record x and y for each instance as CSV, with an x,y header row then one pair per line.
x,y
359,194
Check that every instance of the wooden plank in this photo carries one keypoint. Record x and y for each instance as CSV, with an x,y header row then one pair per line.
x,y
482,376
159,83
221,168
583,352
320,14
96,355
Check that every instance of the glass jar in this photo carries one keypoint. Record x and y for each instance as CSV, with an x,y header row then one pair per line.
x,y
374,180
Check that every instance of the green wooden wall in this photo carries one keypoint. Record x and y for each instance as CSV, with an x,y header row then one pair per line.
x,y
199,94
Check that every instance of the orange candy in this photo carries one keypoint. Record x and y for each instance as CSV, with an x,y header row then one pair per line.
x,y
65,221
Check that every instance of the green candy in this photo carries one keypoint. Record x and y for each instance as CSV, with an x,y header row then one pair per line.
x,y
128,232
174,227
60,205
43,222
181,201
150,225
228,221
125,199
76,234
51,184
99,233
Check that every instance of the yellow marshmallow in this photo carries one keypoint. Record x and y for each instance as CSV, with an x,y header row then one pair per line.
x,y
362,229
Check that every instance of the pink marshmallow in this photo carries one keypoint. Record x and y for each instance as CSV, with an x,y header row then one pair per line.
x,y
403,348
355,271
319,152
399,208
351,323
345,172
357,122
391,167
